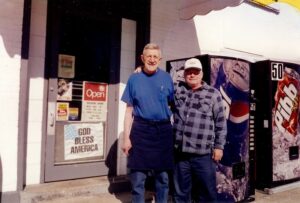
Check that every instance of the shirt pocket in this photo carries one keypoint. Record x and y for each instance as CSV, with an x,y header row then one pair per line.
x,y
203,106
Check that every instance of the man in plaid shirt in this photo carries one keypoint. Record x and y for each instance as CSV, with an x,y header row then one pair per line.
x,y
200,135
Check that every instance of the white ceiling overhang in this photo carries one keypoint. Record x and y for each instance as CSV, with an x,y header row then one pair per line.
x,y
189,8
246,29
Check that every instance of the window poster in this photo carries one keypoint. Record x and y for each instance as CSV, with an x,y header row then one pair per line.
x,y
83,140
62,111
73,114
94,102
64,90
66,66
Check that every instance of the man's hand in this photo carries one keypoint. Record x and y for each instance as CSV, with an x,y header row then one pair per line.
x,y
128,119
126,146
138,69
217,154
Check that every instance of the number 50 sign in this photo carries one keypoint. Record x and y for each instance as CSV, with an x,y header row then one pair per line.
x,y
277,71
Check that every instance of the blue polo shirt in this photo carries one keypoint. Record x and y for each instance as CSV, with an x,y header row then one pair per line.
x,y
150,94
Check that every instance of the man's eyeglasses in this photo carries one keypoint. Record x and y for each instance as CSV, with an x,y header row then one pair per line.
x,y
192,71
152,57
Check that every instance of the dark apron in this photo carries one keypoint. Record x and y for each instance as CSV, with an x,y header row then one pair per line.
x,y
152,145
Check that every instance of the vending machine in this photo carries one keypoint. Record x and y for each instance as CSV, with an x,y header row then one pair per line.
x,y
276,87
231,76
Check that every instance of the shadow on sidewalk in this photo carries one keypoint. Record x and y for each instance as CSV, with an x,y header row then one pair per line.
x,y
118,185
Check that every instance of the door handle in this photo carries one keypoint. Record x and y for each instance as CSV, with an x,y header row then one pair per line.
x,y
51,119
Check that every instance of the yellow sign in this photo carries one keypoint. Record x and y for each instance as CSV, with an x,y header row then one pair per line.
x,y
294,3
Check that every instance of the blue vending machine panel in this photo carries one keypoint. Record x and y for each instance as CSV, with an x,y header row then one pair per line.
x,y
231,76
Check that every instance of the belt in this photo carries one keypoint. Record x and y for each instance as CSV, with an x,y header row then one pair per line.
x,y
150,121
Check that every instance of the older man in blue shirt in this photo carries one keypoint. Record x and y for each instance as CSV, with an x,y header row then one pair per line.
x,y
148,139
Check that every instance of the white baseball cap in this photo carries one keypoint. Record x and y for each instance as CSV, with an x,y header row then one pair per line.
x,y
193,63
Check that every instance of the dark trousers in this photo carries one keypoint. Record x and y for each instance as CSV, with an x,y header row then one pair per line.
x,y
138,178
198,171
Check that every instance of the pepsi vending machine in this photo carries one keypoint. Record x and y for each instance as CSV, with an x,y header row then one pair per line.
x,y
276,87
231,76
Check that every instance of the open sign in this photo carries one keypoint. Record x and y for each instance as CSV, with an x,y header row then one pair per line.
x,y
93,94
95,91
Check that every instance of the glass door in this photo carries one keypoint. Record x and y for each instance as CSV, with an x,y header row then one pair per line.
x,y
80,54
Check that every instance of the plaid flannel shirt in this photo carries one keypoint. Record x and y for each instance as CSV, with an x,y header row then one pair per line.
x,y
199,119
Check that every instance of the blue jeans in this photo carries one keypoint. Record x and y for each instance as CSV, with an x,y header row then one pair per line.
x,y
197,171
138,178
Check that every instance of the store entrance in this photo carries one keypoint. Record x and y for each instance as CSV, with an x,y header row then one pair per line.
x,y
82,63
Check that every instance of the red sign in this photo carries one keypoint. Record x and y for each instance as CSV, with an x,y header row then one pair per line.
x,y
94,91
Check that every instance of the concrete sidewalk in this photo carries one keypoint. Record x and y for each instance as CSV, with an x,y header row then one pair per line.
x,y
79,190
102,189
88,190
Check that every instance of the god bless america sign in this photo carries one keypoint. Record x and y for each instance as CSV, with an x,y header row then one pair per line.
x,y
83,140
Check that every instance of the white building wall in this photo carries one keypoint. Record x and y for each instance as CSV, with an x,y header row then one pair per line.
x,y
37,92
177,38
11,19
127,63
